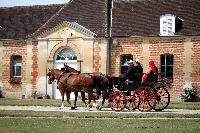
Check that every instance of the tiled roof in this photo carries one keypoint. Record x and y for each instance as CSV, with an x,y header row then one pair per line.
x,y
18,22
129,17
142,17
82,29
90,14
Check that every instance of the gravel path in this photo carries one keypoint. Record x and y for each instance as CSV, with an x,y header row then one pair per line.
x,y
83,109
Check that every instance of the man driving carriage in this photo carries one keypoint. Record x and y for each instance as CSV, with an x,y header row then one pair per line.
x,y
138,72
134,73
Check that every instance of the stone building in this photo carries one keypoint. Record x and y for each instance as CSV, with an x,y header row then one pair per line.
x,y
98,36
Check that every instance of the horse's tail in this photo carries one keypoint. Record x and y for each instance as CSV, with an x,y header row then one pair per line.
x,y
97,83
110,83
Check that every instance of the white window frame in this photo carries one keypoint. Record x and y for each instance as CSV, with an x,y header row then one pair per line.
x,y
16,62
124,63
66,54
165,65
167,25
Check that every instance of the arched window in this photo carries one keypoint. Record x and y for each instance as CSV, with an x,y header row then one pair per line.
x,y
166,62
124,62
16,67
66,54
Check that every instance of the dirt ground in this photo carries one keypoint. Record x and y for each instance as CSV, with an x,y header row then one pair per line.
x,y
83,109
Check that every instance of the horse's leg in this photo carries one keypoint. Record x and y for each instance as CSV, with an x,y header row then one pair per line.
x,y
83,97
92,97
75,100
89,100
62,105
94,100
103,100
68,97
62,92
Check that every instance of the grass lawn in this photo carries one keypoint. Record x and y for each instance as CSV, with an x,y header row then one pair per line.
x,y
95,122
54,102
91,125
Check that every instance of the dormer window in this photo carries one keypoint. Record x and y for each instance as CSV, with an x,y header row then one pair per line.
x,y
170,24
167,25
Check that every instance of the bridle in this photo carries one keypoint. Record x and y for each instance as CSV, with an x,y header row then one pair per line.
x,y
50,77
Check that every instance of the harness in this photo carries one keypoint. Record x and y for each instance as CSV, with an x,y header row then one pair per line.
x,y
67,78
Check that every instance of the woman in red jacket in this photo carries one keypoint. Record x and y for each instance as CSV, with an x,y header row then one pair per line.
x,y
152,73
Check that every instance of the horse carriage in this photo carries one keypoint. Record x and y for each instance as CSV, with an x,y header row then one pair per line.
x,y
130,95
143,97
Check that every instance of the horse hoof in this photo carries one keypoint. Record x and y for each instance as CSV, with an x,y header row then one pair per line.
x,y
98,107
73,108
89,106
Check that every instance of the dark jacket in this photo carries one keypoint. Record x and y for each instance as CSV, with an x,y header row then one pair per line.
x,y
130,73
138,73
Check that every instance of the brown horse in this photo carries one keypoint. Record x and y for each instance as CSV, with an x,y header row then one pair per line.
x,y
102,82
106,86
79,82
74,81
55,74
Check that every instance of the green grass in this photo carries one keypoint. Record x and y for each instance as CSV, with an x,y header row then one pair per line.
x,y
53,102
16,121
95,122
91,125
184,105
117,115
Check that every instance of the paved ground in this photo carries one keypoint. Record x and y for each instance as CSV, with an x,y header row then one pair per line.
x,y
82,109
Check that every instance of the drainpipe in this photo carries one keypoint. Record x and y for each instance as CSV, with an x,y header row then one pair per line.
x,y
109,32
47,68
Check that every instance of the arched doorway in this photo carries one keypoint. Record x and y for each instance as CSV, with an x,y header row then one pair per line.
x,y
65,55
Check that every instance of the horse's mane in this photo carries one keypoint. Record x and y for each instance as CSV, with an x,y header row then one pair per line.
x,y
74,69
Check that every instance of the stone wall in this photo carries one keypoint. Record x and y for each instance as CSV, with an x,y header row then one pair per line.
x,y
195,74
15,47
186,67
186,53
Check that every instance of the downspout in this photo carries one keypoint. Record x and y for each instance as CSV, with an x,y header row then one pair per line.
x,y
109,32
47,68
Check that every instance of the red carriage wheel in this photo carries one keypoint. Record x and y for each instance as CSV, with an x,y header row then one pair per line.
x,y
162,99
145,98
117,101
130,102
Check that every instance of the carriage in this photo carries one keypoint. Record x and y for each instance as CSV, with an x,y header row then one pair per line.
x,y
143,97
131,95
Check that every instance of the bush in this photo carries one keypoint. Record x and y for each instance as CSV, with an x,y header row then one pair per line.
x,y
190,93
47,97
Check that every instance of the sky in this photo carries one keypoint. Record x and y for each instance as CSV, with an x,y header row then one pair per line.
x,y
11,3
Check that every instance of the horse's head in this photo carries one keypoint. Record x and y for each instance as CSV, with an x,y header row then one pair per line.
x,y
51,76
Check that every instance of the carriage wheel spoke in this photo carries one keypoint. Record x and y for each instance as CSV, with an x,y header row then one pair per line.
x,y
163,101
